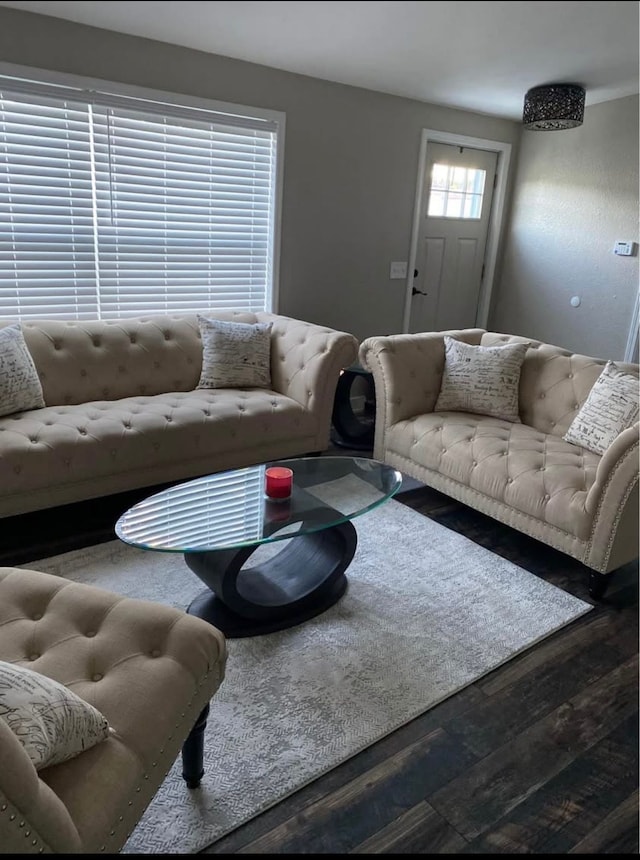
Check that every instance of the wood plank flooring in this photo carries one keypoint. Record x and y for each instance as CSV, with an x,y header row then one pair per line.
x,y
539,757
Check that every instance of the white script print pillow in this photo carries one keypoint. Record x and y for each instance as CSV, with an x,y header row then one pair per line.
x,y
611,407
51,722
481,379
234,354
20,387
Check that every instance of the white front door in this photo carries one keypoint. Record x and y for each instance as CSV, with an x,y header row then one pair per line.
x,y
454,221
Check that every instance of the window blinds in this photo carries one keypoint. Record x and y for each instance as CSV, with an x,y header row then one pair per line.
x,y
112,209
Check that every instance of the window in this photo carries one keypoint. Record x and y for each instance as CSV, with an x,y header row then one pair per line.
x,y
117,206
456,192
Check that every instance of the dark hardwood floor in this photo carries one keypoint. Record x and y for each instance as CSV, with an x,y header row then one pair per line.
x,y
539,757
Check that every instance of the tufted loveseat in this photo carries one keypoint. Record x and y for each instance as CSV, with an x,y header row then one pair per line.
x,y
123,412
523,474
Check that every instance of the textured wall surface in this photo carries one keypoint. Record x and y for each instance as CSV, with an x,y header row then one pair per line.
x,y
351,158
576,193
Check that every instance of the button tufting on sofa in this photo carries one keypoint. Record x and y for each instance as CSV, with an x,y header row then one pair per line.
x,y
59,804
292,418
590,502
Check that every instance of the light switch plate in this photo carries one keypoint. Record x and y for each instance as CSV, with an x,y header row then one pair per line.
x,y
398,270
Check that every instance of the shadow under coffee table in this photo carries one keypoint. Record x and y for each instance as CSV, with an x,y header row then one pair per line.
x,y
220,521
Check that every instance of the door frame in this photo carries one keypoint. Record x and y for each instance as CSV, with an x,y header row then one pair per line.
x,y
634,333
495,220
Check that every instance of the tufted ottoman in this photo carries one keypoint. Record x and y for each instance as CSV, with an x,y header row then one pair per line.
x,y
150,669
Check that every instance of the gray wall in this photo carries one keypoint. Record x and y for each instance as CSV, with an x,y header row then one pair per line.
x,y
576,193
351,158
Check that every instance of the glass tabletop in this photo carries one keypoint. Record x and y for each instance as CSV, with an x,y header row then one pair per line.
x,y
228,510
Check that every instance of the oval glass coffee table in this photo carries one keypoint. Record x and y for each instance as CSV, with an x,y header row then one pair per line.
x,y
219,521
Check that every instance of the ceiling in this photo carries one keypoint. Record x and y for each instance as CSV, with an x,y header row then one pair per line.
x,y
478,56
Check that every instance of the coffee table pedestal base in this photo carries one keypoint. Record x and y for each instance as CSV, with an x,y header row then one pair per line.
x,y
304,579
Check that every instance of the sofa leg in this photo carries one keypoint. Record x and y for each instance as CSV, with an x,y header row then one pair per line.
x,y
193,752
598,584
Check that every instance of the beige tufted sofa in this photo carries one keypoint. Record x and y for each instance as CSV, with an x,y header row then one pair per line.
x,y
150,669
522,474
123,412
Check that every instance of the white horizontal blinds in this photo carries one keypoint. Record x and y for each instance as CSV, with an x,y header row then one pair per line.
x,y
115,206
47,262
184,212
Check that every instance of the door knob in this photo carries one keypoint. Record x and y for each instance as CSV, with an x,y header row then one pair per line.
x,y
415,292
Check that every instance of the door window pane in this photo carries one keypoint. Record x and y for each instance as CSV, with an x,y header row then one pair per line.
x,y
456,192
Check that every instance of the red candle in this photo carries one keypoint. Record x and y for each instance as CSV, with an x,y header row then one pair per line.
x,y
279,481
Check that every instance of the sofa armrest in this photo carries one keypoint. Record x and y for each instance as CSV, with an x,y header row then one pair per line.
x,y
306,360
407,374
33,819
619,464
613,501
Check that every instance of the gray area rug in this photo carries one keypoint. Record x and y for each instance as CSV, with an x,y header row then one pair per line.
x,y
427,612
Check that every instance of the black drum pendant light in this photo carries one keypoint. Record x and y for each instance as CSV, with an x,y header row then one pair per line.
x,y
553,107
